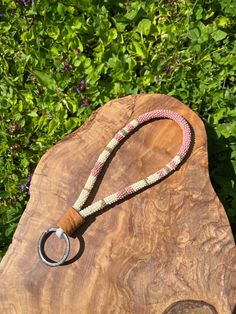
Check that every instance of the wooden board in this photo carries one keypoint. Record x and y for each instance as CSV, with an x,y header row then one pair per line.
x,y
168,249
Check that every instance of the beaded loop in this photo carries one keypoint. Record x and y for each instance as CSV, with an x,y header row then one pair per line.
x,y
75,215
119,136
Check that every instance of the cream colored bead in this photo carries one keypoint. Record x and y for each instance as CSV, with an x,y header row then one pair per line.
x,y
90,182
103,156
112,144
134,123
91,209
138,185
177,159
110,199
125,130
152,178
82,199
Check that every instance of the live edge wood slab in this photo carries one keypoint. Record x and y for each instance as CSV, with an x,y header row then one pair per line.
x,y
168,249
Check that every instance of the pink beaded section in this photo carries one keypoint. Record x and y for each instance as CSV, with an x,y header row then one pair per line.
x,y
151,179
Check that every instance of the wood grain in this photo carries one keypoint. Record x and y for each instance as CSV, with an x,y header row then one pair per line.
x,y
168,249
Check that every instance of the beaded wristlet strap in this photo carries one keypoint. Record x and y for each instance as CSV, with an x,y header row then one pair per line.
x,y
75,215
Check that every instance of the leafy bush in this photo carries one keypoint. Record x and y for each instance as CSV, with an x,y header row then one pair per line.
x,y
60,60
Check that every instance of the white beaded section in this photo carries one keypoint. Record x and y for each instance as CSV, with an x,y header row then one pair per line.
x,y
103,156
112,144
84,194
90,182
134,123
91,209
153,178
122,133
125,130
138,185
177,159
110,199
81,199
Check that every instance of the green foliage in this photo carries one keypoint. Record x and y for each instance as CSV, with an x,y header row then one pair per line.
x,y
185,49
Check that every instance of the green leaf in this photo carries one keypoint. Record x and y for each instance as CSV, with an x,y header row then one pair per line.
x,y
204,32
131,14
77,24
54,51
8,80
222,21
24,162
20,106
10,229
121,26
218,35
4,27
219,115
53,124
194,33
112,35
17,116
144,27
138,49
31,12
53,32
60,9
71,106
195,48
33,113
71,123
41,122
46,80
199,13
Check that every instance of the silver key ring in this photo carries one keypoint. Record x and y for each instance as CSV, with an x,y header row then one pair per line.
x,y
41,243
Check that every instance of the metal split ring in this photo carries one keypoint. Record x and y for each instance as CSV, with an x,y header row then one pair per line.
x,y
41,252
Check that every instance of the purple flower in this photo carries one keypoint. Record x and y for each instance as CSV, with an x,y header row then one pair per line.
x,y
1,15
167,69
80,87
23,187
85,102
25,2
67,66
29,178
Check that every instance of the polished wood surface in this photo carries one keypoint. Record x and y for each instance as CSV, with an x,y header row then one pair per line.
x,y
167,249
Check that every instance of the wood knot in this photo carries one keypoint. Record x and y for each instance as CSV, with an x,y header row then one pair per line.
x,y
190,307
